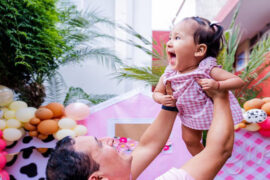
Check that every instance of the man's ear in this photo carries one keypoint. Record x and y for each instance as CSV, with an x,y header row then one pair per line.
x,y
97,176
201,50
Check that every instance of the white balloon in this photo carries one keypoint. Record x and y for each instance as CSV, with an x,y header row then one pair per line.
x,y
10,114
13,123
25,114
255,116
2,124
67,123
63,133
16,105
80,130
12,134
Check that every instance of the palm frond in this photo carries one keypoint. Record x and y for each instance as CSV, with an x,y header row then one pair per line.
x,y
78,94
144,74
56,88
101,55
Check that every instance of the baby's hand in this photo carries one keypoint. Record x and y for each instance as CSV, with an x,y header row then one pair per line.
x,y
168,100
208,84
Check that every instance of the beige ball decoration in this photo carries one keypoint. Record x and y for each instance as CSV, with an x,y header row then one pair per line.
x,y
16,105
6,95
253,127
4,109
13,123
63,133
25,114
22,131
80,130
12,134
2,124
10,114
67,123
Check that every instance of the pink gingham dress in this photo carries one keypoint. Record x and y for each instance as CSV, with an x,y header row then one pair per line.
x,y
194,106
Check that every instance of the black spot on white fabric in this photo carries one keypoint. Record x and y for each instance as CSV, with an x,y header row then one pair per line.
x,y
41,179
30,170
47,153
10,163
27,139
12,177
49,138
12,145
27,153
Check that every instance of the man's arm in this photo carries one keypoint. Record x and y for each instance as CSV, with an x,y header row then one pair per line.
x,y
219,143
153,139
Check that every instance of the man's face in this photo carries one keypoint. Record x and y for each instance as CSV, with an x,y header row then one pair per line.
x,y
113,164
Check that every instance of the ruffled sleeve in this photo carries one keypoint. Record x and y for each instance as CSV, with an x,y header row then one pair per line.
x,y
168,73
208,64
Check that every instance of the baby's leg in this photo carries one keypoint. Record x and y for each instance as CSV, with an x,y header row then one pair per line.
x,y
192,139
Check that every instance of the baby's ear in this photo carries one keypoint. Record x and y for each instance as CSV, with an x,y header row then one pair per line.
x,y
201,51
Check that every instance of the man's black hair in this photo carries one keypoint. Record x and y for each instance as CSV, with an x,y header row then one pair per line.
x,y
67,164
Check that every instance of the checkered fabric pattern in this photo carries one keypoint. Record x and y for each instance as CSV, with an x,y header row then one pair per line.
x,y
194,106
250,159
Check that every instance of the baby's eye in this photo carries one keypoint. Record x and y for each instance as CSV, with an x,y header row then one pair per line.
x,y
177,38
170,38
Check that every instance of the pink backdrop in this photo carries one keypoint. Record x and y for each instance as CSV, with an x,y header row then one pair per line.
x,y
136,105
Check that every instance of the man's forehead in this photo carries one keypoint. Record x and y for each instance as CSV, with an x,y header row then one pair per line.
x,y
85,143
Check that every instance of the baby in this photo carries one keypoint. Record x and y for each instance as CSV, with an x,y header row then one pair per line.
x,y
192,50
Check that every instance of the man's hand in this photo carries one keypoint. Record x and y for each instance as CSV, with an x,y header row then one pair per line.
x,y
208,84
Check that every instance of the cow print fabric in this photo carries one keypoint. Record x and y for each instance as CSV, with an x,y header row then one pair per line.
x,y
26,162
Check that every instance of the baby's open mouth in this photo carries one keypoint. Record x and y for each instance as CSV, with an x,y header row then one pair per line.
x,y
172,58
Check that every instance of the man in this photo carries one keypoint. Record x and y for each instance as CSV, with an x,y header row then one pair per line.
x,y
87,157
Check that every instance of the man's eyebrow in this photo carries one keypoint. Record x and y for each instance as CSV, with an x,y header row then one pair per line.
x,y
98,142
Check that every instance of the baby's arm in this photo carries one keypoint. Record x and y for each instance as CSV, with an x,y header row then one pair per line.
x,y
222,80
160,95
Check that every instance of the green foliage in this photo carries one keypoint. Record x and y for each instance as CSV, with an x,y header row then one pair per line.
x,y
26,49
257,61
77,94
37,36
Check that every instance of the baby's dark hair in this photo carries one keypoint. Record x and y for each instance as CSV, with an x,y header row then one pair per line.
x,y
210,34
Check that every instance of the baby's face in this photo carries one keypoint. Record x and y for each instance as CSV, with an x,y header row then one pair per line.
x,y
181,47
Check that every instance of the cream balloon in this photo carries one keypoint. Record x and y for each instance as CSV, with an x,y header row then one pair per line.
x,y
10,114
16,105
12,134
80,130
13,123
6,95
2,124
25,114
63,133
67,123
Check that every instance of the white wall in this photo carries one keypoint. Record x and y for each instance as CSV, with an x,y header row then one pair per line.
x,y
164,11
95,78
